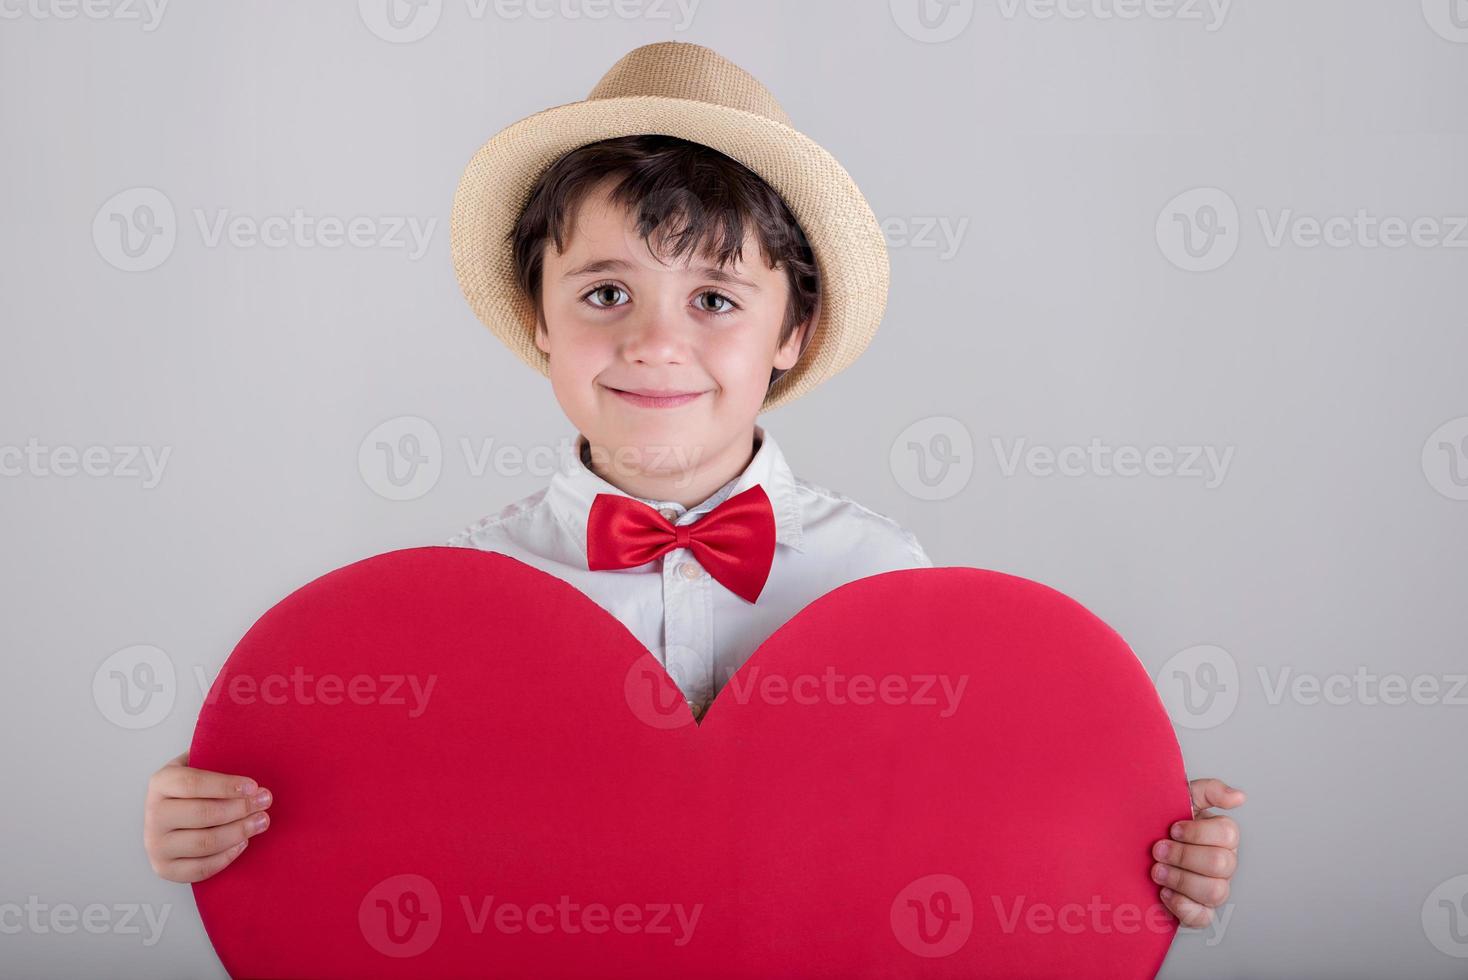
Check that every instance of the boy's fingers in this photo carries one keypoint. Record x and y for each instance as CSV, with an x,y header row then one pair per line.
x,y
1214,830
182,782
1188,912
1214,792
197,869
1203,889
1215,862
174,814
204,842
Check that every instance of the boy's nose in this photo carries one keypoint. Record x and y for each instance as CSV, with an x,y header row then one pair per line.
x,y
655,337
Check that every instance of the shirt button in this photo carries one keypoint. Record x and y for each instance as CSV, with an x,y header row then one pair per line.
x,y
690,570
669,513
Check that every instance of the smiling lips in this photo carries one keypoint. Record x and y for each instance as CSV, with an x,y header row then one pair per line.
x,y
655,398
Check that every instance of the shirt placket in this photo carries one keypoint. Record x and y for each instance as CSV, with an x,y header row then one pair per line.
x,y
687,622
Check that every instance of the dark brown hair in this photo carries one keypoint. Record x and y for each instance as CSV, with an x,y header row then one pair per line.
x,y
691,196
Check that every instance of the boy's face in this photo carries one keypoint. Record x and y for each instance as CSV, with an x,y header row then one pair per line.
x,y
618,320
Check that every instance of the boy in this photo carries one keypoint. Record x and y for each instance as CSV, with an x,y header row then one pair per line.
x,y
676,258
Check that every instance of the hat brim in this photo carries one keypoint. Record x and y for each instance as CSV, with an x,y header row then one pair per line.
x,y
850,251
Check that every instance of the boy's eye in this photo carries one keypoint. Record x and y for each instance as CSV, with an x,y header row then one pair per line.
x,y
600,292
718,298
604,297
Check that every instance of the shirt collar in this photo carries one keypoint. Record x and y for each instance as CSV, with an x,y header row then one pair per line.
x,y
574,486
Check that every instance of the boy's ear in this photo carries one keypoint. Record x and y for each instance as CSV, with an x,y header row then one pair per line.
x,y
789,352
541,340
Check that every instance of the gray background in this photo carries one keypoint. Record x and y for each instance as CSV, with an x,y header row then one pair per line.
x,y
1334,542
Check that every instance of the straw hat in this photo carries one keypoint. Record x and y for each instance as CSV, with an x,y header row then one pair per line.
x,y
691,92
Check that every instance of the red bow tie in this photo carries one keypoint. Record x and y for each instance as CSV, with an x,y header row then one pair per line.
x,y
735,541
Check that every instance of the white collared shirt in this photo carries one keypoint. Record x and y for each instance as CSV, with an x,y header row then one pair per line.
x,y
697,629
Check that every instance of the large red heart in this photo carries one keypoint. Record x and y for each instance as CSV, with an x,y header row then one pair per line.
x,y
479,772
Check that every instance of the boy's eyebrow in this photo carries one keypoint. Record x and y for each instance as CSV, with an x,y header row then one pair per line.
x,y
621,265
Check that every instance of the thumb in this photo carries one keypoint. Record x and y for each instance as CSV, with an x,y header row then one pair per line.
x,y
1214,792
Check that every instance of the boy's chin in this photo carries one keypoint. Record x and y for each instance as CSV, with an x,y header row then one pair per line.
x,y
658,449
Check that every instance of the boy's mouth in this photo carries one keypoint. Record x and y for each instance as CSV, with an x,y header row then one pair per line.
x,y
654,397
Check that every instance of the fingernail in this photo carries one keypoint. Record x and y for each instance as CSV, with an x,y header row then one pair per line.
x,y
246,788
1166,893
241,845
1177,831
1159,873
1160,849
258,821
263,798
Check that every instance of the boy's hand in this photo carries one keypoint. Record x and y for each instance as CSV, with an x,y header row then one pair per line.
x,y
1194,867
195,822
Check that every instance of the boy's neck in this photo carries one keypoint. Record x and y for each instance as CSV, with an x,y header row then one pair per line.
x,y
689,487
